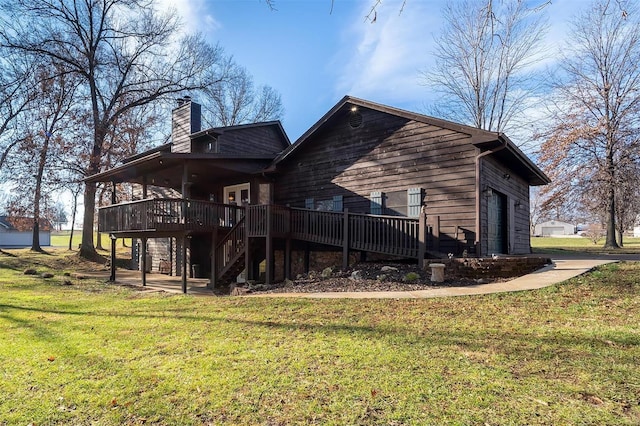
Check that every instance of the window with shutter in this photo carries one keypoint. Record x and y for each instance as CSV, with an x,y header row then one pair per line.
x,y
376,202
414,201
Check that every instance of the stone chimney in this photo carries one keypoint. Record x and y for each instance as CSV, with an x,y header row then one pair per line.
x,y
185,120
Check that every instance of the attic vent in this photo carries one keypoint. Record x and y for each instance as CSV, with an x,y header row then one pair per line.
x,y
355,120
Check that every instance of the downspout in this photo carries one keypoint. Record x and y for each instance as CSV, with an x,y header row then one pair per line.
x,y
478,193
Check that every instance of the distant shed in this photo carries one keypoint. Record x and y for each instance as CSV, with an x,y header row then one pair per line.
x,y
554,228
17,231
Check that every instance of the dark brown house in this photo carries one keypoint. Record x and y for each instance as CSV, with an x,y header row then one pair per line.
x,y
366,178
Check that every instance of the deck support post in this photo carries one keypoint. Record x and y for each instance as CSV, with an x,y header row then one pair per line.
x,y
422,238
112,237
436,233
269,249
287,259
144,187
112,276
345,240
214,267
143,267
249,218
184,264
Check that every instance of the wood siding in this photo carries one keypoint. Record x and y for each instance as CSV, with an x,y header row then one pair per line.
x,y
186,119
251,140
501,178
389,154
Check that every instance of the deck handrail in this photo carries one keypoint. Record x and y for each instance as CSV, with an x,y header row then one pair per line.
x,y
167,213
393,235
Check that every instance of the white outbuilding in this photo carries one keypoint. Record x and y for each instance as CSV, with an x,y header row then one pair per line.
x,y
554,228
17,231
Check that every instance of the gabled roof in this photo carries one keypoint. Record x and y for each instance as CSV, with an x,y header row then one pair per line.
x,y
161,165
23,223
482,139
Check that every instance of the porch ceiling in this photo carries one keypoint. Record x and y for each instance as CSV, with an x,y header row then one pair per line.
x,y
166,169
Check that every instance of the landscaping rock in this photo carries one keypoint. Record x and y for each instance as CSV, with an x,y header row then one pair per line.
x,y
387,268
381,277
356,275
327,272
46,275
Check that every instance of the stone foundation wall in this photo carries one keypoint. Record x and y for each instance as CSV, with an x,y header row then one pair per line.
x,y
502,267
472,267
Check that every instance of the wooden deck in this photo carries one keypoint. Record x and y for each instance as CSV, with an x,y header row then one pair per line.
x,y
391,235
167,215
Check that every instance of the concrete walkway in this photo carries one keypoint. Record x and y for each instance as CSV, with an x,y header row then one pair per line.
x,y
560,270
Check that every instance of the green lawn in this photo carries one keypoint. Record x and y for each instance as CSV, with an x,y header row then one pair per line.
x,y
93,353
61,239
553,244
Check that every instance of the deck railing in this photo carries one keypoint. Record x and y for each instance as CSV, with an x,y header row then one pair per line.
x,y
167,214
385,234
393,235
322,227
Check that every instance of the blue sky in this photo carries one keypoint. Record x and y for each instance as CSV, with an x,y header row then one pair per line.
x,y
313,55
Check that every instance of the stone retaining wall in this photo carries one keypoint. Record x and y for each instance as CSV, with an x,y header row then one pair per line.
x,y
501,267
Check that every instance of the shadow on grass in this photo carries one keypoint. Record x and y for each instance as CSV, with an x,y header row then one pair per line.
x,y
514,343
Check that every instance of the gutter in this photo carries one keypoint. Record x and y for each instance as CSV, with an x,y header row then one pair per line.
x,y
478,190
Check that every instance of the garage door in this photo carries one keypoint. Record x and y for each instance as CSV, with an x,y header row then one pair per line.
x,y
552,230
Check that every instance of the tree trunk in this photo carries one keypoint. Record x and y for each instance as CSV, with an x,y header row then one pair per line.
x,y
35,243
610,241
620,239
99,239
87,250
73,216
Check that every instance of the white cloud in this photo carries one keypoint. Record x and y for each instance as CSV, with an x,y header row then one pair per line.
x,y
382,60
194,13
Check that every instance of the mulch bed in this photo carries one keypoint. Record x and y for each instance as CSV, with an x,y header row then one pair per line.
x,y
362,277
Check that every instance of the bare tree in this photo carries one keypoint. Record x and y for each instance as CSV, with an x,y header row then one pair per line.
x,y
15,96
126,54
76,189
37,137
54,101
597,119
238,101
483,60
